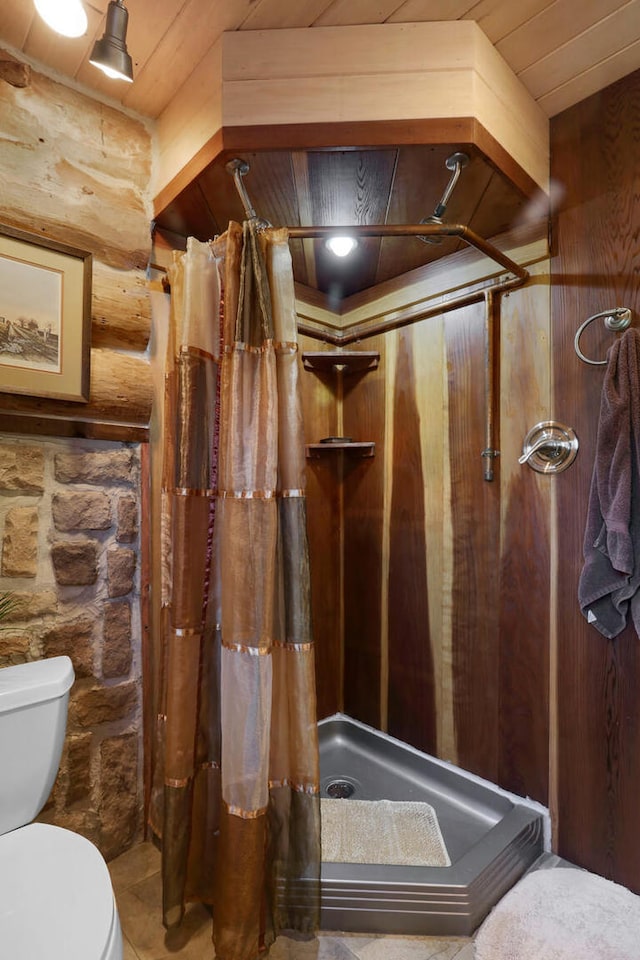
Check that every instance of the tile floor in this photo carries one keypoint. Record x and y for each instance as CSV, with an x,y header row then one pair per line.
x,y
136,881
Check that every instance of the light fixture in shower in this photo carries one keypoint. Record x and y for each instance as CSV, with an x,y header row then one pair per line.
x,y
341,246
67,17
110,52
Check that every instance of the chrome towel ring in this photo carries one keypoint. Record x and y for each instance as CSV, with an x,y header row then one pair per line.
x,y
619,318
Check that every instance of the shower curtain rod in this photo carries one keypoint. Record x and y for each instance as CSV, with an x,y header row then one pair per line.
x,y
407,230
238,168
490,295
415,230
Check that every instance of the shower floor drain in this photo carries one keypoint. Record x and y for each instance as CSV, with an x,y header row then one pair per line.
x,y
340,789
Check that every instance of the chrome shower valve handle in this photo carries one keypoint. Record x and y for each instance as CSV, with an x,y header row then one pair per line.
x,y
549,447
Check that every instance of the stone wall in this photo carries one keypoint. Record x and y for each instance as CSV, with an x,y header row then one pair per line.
x,y
70,554
77,171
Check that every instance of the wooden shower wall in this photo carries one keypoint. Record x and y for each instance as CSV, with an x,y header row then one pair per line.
x,y
446,607
431,585
596,169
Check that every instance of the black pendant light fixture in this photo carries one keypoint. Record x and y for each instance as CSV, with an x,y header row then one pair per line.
x,y
110,52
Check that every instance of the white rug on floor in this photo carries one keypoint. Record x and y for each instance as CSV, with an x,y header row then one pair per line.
x,y
382,831
562,914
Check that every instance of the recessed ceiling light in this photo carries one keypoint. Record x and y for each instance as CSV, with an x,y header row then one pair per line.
x,y
341,246
67,17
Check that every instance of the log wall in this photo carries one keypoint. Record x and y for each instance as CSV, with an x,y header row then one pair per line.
x,y
78,171
71,548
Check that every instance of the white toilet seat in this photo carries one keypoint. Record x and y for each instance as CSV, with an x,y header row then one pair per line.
x,y
56,899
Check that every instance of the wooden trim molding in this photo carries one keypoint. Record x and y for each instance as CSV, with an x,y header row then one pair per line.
x,y
206,155
464,132
45,426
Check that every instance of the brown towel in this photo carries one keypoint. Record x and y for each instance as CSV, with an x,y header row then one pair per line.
x,y
611,574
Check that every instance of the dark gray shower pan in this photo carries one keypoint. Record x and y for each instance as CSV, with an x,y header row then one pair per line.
x,y
491,839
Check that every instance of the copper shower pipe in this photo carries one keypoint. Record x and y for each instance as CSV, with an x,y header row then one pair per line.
x,y
414,230
407,230
489,294
365,331
492,334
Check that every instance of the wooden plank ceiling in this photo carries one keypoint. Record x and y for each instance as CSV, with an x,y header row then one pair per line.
x,y
562,50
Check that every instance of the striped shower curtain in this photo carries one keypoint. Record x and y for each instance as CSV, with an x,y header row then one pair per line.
x,y
235,801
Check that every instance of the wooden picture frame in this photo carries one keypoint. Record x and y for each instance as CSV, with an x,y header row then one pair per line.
x,y
45,317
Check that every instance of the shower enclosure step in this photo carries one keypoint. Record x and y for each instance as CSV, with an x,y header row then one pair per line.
x,y
491,838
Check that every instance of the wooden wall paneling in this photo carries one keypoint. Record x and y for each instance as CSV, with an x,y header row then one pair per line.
x,y
189,129
364,569
412,681
597,264
524,564
324,75
146,620
431,398
153,656
475,522
321,412
500,208
443,643
190,215
386,452
358,50
621,677
163,245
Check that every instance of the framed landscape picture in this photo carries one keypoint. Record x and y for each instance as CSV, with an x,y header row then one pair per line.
x,y
45,317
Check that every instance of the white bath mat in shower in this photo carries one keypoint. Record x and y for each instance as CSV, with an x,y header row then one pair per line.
x,y
401,832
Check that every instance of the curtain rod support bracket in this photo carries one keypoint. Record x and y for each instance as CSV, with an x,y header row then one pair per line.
x,y
238,169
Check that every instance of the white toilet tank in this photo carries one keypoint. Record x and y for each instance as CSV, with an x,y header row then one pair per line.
x,y
33,718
